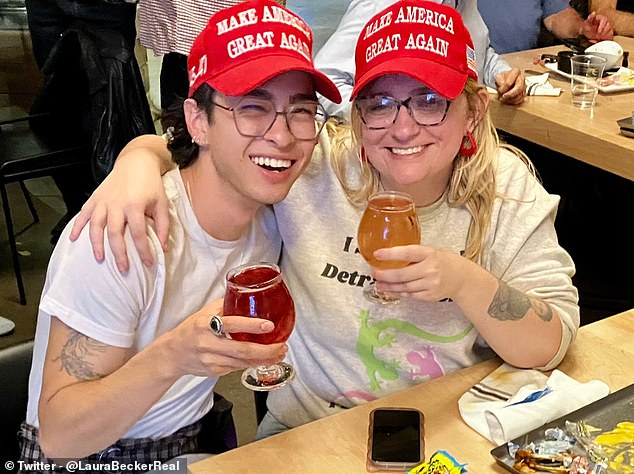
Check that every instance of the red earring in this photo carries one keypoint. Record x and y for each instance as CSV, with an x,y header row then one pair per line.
x,y
473,146
364,157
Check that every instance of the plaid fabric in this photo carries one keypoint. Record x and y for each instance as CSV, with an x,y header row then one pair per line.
x,y
125,451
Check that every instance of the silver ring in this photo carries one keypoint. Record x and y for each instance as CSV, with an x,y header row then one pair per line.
x,y
216,326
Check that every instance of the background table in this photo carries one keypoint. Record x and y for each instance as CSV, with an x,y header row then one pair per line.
x,y
337,444
554,123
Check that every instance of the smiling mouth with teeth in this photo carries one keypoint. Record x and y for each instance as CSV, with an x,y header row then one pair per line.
x,y
271,164
406,151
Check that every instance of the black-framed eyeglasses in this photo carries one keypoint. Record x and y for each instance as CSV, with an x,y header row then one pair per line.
x,y
254,117
380,112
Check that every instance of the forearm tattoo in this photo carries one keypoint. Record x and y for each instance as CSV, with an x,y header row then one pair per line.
x,y
510,304
77,354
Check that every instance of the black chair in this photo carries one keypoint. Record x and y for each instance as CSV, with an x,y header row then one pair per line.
x,y
260,405
24,155
218,433
15,366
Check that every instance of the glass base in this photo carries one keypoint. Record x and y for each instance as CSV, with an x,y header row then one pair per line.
x,y
377,296
267,377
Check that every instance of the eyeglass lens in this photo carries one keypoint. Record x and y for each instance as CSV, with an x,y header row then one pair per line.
x,y
380,111
254,117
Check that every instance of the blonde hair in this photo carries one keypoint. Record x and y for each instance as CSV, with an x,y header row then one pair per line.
x,y
472,182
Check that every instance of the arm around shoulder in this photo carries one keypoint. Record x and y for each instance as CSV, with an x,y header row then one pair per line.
x,y
130,192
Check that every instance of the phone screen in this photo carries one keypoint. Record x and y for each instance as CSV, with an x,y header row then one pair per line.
x,y
396,436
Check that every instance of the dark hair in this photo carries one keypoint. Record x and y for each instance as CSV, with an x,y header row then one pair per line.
x,y
184,150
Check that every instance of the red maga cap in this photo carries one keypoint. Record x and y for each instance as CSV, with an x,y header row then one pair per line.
x,y
424,40
244,46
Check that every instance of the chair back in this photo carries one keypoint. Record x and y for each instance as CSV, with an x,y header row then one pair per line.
x,y
24,155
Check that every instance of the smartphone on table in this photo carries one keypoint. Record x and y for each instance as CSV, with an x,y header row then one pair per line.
x,y
396,439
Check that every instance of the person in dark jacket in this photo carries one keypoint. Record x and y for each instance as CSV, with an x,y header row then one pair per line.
x,y
48,20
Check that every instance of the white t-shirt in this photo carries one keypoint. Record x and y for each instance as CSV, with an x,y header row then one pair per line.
x,y
134,309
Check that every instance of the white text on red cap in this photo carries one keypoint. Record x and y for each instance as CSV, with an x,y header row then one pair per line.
x,y
262,39
250,17
409,14
265,39
412,15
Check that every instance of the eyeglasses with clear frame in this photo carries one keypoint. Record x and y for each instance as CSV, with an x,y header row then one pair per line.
x,y
255,116
379,112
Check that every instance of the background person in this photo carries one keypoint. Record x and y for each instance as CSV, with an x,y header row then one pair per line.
x,y
620,14
168,28
133,353
515,25
47,21
336,57
489,276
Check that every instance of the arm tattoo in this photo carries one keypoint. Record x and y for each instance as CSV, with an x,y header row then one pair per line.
x,y
510,304
76,356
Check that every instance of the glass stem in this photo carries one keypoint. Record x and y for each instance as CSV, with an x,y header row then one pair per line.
x,y
269,374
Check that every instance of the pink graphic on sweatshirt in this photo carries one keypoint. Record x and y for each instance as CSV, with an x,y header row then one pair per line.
x,y
425,365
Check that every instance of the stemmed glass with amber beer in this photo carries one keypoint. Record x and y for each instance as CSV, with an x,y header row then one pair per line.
x,y
257,290
389,220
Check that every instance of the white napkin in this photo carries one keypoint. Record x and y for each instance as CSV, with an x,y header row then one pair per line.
x,y
498,409
536,85
539,85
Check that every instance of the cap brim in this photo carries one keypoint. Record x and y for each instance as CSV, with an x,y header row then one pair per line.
x,y
445,80
245,77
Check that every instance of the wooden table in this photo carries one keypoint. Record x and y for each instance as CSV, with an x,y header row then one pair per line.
x,y
337,444
554,123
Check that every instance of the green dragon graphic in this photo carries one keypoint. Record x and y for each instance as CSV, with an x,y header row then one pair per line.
x,y
372,336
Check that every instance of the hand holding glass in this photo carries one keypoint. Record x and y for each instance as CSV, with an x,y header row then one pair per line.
x,y
389,220
258,291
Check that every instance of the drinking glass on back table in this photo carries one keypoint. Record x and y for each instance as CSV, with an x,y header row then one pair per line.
x,y
586,72
258,290
389,220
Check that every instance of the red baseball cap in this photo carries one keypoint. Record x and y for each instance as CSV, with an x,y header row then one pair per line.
x,y
424,40
244,46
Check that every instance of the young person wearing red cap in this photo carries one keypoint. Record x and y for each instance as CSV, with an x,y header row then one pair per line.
x,y
125,365
489,276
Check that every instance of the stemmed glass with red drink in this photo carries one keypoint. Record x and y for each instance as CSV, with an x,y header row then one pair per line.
x,y
258,290
389,220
